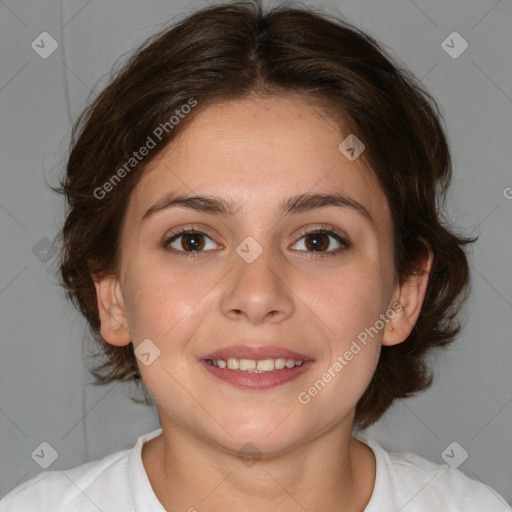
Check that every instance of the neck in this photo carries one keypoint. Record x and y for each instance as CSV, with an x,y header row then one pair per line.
x,y
332,472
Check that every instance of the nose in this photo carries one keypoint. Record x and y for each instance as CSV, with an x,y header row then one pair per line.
x,y
258,291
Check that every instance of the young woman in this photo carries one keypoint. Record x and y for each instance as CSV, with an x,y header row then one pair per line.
x,y
253,232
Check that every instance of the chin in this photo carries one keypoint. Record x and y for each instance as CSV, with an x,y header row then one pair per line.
x,y
259,447
259,438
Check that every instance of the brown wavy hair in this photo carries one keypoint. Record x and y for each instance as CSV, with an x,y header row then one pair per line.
x,y
231,51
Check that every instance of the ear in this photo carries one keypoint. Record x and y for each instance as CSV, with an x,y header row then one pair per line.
x,y
114,326
407,302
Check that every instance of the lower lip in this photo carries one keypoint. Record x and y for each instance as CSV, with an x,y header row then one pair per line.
x,y
267,380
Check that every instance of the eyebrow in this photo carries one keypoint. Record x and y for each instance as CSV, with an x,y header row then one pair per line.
x,y
296,204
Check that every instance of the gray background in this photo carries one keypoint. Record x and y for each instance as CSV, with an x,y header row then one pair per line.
x,y
45,390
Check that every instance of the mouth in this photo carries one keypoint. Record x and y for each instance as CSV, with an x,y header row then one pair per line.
x,y
256,367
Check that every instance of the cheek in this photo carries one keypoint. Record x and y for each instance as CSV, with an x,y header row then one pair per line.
x,y
347,302
166,308
350,305
158,298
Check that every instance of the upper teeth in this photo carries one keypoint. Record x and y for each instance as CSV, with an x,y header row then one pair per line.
x,y
255,366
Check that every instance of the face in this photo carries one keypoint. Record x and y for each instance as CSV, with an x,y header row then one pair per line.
x,y
262,273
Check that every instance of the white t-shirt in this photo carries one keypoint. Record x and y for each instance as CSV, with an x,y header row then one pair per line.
x,y
404,482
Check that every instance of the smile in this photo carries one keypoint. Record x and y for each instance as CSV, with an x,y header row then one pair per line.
x,y
253,378
255,366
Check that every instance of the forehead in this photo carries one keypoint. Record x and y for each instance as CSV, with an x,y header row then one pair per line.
x,y
256,152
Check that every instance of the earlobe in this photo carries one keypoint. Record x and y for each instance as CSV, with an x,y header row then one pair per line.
x,y
410,296
114,326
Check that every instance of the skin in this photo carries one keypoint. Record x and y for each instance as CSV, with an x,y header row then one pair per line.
x,y
256,153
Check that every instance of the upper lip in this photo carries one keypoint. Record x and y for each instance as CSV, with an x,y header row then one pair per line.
x,y
256,353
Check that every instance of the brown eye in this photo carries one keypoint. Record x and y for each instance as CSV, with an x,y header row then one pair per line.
x,y
317,242
322,241
190,241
